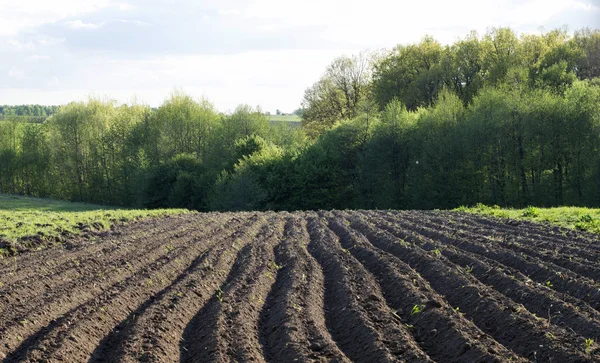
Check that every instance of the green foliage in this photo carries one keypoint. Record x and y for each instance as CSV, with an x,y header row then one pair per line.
x,y
531,212
386,156
28,110
337,95
132,155
416,73
245,121
176,183
254,184
184,125
413,74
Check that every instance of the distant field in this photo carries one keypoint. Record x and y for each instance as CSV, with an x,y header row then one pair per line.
x,y
22,204
287,118
33,223
585,219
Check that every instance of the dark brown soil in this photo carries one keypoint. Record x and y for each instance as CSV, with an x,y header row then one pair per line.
x,y
364,286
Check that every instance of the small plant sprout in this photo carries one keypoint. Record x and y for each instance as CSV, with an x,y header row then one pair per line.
x,y
469,269
549,284
416,309
587,345
437,252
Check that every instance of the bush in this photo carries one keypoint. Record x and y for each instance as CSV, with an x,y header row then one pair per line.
x,y
531,212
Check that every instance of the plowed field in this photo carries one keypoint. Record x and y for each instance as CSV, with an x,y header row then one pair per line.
x,y
365,286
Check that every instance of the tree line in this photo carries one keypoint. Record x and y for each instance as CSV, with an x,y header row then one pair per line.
x,y
496,119
28,110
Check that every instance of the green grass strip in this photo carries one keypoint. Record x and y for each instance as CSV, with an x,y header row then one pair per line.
x,y
579,218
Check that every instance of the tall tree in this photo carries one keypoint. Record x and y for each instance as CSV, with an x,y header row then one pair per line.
x,y
338,93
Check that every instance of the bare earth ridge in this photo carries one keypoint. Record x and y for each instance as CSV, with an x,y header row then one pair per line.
x,y
363,286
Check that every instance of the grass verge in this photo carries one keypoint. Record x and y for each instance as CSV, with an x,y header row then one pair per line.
x,y
580,218
33,223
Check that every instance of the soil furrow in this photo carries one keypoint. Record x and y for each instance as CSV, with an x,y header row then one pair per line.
x,y
362,325
525,246
154,330
23,297
43,309
340,286
539,299
520,331
561,280
49,261
542,232
226,329
101,309
442,332
293,323
589,251
106,268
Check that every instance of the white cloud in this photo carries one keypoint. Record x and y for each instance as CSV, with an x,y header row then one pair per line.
x,y
272,79
20,15
54,82
50,41
36,57
20,46
263,51
229,12
384,23
135,22
16,73
125,7
539,11
78,24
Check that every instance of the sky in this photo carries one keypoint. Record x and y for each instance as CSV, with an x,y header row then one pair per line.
x,y
256,52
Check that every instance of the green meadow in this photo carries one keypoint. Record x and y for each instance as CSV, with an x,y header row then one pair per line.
x,y
584,219
46,221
